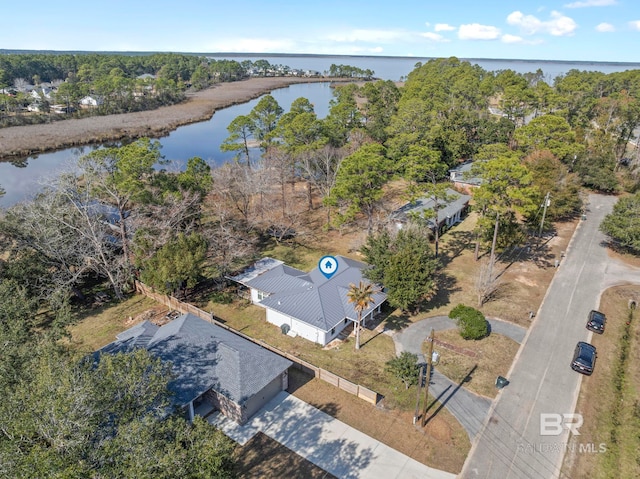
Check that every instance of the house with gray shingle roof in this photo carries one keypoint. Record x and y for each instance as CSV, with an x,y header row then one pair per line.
x,y
214,368
309,305
449,212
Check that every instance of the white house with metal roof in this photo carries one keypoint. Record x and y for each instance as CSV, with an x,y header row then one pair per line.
x,y
309,305
449,212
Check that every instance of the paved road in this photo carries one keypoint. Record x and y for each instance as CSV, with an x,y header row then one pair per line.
x,y
541,382
330,444
469,408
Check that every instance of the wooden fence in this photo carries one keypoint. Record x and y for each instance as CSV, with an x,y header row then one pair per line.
x,y
327,376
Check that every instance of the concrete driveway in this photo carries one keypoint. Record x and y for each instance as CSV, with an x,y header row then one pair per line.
x,y
328,443
515,442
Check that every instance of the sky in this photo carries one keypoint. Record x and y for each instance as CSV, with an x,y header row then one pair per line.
x,y
566,30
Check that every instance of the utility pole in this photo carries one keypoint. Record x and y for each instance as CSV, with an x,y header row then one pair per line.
x,y
426,386
546,203
416,415
493,248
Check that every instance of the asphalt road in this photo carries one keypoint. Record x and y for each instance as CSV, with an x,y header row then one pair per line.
x,y
512,443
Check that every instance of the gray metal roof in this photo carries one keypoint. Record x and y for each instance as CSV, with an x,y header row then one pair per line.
x,y
314,299
256,269
428,203
462,174
205,356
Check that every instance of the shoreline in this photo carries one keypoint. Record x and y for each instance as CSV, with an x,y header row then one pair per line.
x,y
28,140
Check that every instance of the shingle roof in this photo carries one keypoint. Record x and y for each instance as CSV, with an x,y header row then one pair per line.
x,y
428,203
312,298
205,356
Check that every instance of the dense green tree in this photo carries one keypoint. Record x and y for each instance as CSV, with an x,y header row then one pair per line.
x,y
380,106
264,120
74,418
552,177
622,225
196,177
405,367
548,132
404,264
178,264
344,116
240,134
359,182
505,192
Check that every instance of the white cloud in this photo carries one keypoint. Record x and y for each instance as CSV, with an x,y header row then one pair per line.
x,y
605,27
362,35
475,31
591,3
558,25
443,27
434,37
506,38
635,25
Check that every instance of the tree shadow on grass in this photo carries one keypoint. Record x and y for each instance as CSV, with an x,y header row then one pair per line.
x,y
446,287
456,243
397,322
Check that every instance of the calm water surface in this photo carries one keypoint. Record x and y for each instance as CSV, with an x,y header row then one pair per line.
x,y
203,139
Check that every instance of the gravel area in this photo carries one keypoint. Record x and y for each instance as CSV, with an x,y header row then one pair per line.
x,y
20,141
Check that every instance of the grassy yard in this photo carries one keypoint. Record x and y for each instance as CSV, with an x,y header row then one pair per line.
x,y
610,398
493,356
98,326
442,443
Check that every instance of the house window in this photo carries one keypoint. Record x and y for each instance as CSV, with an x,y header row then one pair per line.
x,y
261,295
333,331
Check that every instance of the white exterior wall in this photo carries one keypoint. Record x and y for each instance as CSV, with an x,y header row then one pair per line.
x,y
304,330
254,296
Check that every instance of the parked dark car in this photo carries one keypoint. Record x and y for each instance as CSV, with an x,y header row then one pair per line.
x,y
596,321
584,358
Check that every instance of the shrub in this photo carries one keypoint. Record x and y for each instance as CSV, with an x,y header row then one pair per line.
x,y
405,367
471,322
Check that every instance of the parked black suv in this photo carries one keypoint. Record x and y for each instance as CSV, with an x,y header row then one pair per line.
x,y
584,358
596,321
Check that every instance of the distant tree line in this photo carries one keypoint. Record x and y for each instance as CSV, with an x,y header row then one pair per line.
x,y
120,83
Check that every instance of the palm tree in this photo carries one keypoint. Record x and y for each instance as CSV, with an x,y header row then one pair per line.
x,y
362,297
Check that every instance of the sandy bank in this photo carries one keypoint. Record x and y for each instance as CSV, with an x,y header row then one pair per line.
x,y
20,141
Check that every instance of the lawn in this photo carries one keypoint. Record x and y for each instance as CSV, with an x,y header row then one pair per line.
x,y
493,357
525,275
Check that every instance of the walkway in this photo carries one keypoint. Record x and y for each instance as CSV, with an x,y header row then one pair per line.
x,y
328,443
469,409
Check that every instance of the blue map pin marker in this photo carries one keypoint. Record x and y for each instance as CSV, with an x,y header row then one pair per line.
x,y
328,266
